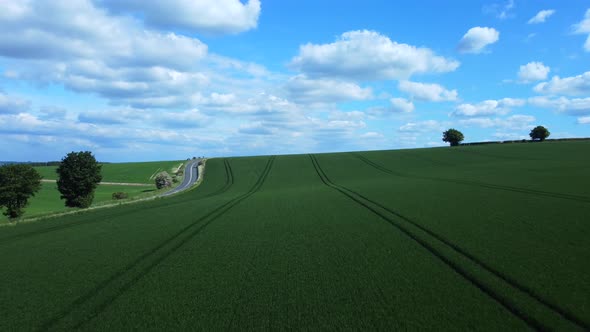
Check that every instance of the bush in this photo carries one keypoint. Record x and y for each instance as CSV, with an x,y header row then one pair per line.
x,y
163,180
120,195
175,179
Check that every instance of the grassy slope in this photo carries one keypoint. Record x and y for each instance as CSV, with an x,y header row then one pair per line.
x,y
47,199
296,253
122,172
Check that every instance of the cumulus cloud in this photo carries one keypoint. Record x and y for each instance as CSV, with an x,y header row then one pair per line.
x,y
310,91
477,38
205,16
86,50
12,104
583,27
575,106
421,126
514,122
533,71
79,30
488,107
578,85
427,91
584,120
541,16
401,105
368,55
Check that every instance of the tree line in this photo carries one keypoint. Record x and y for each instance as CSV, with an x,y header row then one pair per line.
x,y
78,175
454,137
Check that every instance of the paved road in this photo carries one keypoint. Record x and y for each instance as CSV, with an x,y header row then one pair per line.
x,y
191,174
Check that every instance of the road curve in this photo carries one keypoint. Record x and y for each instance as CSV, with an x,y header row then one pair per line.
x,y
191,175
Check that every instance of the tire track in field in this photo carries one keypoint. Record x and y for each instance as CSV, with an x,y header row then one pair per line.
x,y
505,278
505,301
229,182
571,197
118,283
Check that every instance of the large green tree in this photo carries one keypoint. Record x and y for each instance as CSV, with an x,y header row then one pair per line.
x,y
78,175
17,184
539,133
452,136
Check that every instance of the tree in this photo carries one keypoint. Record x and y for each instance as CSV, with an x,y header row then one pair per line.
x,y
452,136
539,133
163,179
17,184
78,176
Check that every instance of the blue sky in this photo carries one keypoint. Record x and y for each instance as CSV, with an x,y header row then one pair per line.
x,y
132,80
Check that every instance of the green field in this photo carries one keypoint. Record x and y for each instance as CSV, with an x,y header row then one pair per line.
x,y
47,199
123,172
468,238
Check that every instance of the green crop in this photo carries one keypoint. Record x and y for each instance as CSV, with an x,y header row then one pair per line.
x,y
465,238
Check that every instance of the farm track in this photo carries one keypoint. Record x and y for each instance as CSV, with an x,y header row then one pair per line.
x,y
229,182
570,197
512,282
509,285
106,292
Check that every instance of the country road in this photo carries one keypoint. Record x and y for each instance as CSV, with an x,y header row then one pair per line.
x,y
191,175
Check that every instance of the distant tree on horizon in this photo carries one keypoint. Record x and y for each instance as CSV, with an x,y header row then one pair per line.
x,y
453,136
78,175
18,182
539,133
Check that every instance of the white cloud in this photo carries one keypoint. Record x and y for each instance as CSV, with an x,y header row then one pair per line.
x,y
301,89
12,104
79,30
368,55
206,16
583,27
541,16
572,86
514,122
427,91
584,120
488,107
575,106
477,38
88,50
401,105
533,71
372,135
501,11
421,126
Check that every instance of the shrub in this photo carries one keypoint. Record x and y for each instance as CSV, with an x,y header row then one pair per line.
x,y
163,180
120,195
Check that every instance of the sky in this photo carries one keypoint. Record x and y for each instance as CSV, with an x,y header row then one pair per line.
x,y
134,80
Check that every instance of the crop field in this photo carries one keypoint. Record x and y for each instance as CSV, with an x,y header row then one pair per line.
x,y
468,238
